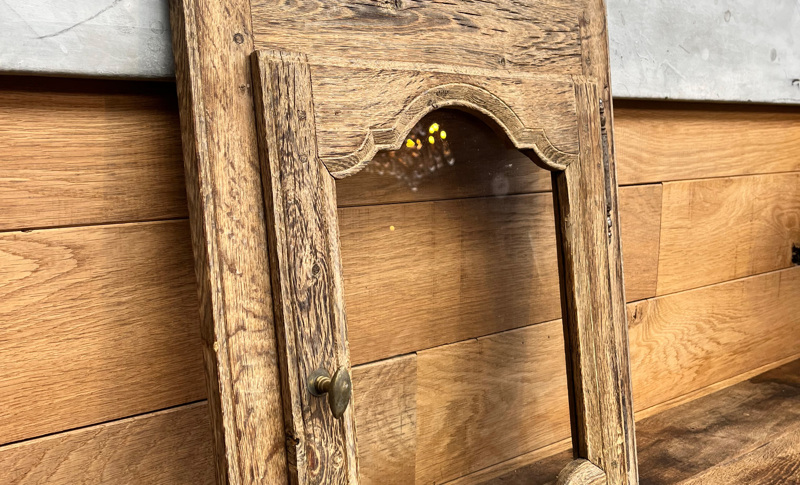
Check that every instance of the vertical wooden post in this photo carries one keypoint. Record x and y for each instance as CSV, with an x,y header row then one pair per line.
x,y
596,349
212,41
307,282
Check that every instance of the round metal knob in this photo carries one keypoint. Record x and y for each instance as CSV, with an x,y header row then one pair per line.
x,y
339,388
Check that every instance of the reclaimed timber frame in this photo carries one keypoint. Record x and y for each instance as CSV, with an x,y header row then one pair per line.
x,y
269,263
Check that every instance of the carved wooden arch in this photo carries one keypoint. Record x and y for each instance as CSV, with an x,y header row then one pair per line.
x,y
320,121
474,99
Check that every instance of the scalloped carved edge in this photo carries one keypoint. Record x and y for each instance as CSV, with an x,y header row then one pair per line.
x,y
462,95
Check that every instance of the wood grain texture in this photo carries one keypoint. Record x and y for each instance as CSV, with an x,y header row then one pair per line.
x,y
581,472
386,407
595,64
446,271
306,265
746,433
500,35
709,440
88,152
722,229
162,448
211,43
596,346
535,112
776,462
487,400
681,141
97,323
695,338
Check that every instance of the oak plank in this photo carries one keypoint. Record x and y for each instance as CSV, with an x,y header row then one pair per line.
x,y
501,35
449,270
680,141
77,152
166,447
746,433
717,437
490,399
722,229
483,401
695,338
212,42
97,323
385,396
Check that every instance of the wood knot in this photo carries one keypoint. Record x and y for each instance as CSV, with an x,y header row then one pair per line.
x,y
315,269
238,38
301,115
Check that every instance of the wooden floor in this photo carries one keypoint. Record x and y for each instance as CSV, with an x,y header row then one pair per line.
x,y
747,434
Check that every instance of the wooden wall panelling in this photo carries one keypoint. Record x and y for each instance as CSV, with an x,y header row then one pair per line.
x,y
472,397
211,43
97,323
480,266
170,447
692,339
722,229
483,401
394,410
671,141
88,152
416,34
385,396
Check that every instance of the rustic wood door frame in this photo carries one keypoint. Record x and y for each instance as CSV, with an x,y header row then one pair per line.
x,y
212,42
305,262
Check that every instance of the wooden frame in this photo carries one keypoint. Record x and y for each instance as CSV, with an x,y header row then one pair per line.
x,y
304,246
327,116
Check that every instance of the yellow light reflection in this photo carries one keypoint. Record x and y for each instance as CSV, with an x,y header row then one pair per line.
x,y
433,128
431,139
443,134
410,143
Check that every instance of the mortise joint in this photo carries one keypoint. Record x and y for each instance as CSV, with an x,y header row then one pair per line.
x,y
606,167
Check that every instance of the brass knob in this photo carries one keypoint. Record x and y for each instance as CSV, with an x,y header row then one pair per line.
x,y
338,388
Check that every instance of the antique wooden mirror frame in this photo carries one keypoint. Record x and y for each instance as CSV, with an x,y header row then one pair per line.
x,y
314,119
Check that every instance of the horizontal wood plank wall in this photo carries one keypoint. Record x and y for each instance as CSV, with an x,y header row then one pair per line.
x,y
99,321
86,152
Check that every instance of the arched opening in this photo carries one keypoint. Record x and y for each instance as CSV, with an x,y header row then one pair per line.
x,y
451,287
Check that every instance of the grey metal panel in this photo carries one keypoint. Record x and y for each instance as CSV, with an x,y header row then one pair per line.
x,y
100,38
717,50
720,50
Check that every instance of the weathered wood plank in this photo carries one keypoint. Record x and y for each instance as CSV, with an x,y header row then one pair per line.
x,y
97,323
668,141
695,338
306,275
500,34
722,229
212,42
747,433
88,152
162,448
711,439
446,271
